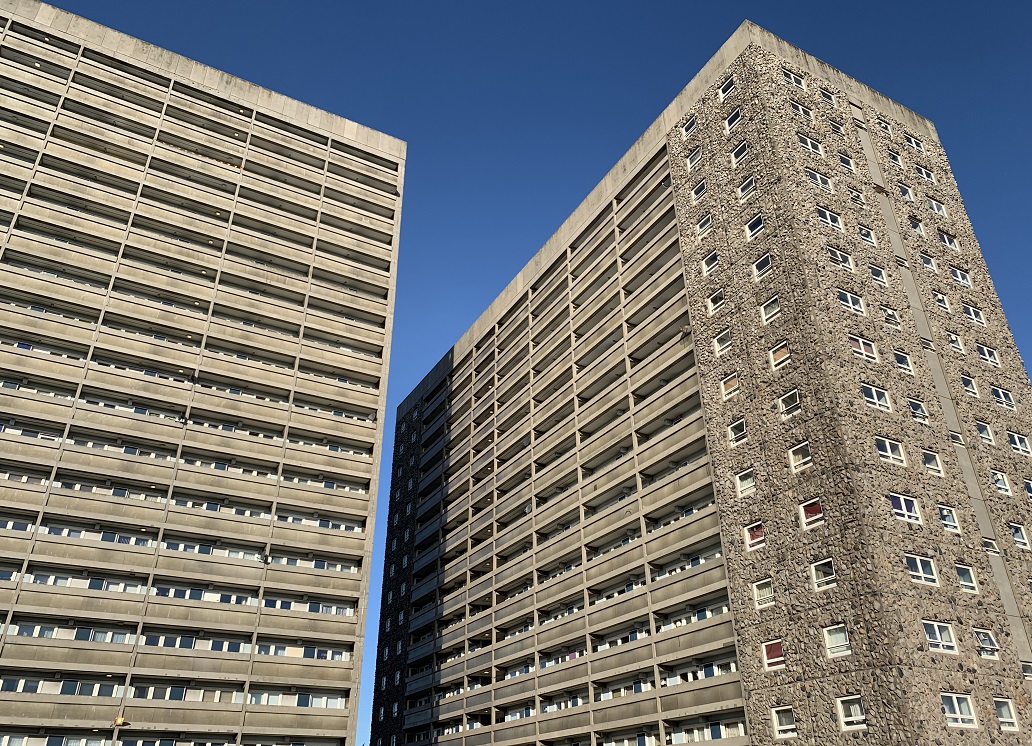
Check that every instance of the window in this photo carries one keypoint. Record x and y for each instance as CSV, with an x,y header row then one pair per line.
x,y
829,218
1019,536
837,127
851,713
863,348
745,482
960,276
763,593
811,514
729,386
689,127
857,197
709,263
918,411
836,641
949,241
932,463
779,356
958,710
939,636
988,355
823,574
755,538
770,309
985,432
754,227
905,508
739,154
913,142
715,301
883,126
1005,713
810,144
878,275
801,110
969,385
990,545
936,206
840,258
727,88
746,188
853,302
788,404
784,722
1002,397
876,397
924,173
693,158
918,228
987,645
921,569
955,342
1019,443
736,432
866,235
906,192
762,266
799,457
773,655
894,158
890,450
792,79
704,226
928,262
819,180
966,579
846,162
732,120
722,342
826,96
941,301
903,361
698,191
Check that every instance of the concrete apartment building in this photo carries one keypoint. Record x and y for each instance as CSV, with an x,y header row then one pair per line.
x,y
197,286
741,454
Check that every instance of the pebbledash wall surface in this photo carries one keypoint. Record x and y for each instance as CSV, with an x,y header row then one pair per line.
x,y
197,288
742,453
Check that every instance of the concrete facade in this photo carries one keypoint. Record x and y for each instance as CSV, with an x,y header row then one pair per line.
x,y
741,454
198,282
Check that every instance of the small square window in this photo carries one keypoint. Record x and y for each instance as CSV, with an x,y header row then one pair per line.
x,y
826,96
956,438
789,404
894,158
763,593
784,722
762,266
1002,397
906,192
754,227
955,342
823,574
863,348
1000,481
892,320
990,545
941,301
905,508
939,637
932,463
722,342
736,432
918,228
709,263
732,120
913,142
811,514
903,362
715,301
770,309
810,144
840,258
987,645
693,157
801,110
755,538
883,126
846,162
779,356
729,386
1019,535
819,180
1005,714
745,482
918,411
837,127
928,262
851,713
792,79
739,154
829,218
836,641
878,275
689,127
727,88
960,276
1028,488
746,188
969,385
799,457
773,655
949,241
867,235
924,173
948,517
698,191
937,207
1019,443
988,355
958,710
890,450
966,579
985,432
921,569
704,226
857,197
876,397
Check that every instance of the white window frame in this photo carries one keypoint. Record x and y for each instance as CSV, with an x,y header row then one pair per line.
x,y
921,569
903,362
722,342
793,79
779,363
754,227
939,637
876,397
745,482
710,263
958,710
819,180
987,644
736,432
1020,536
924,173
762,266
740,153
732,120
830,219
846,162
863,348
704,226
918,411
826,581
948,518
890,450
905,192
783,728
763,593
789,403
800,457
937,207
988,355
1004,709
960,276
810,145
715,301
932,463
726,389
727,88
746,188
803,111
905,507
770,310
694,156
851,302
878,275
755,536
1019,443
840,258
913,142
839,649
814,521
773,664
852,720
1002,397
967,587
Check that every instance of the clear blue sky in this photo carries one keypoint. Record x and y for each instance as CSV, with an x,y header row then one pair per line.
x,y
514,111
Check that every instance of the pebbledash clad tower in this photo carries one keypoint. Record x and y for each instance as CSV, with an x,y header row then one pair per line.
x,y
196,290
743,453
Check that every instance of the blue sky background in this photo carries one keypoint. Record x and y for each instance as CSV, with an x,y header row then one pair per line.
x,y
514,111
